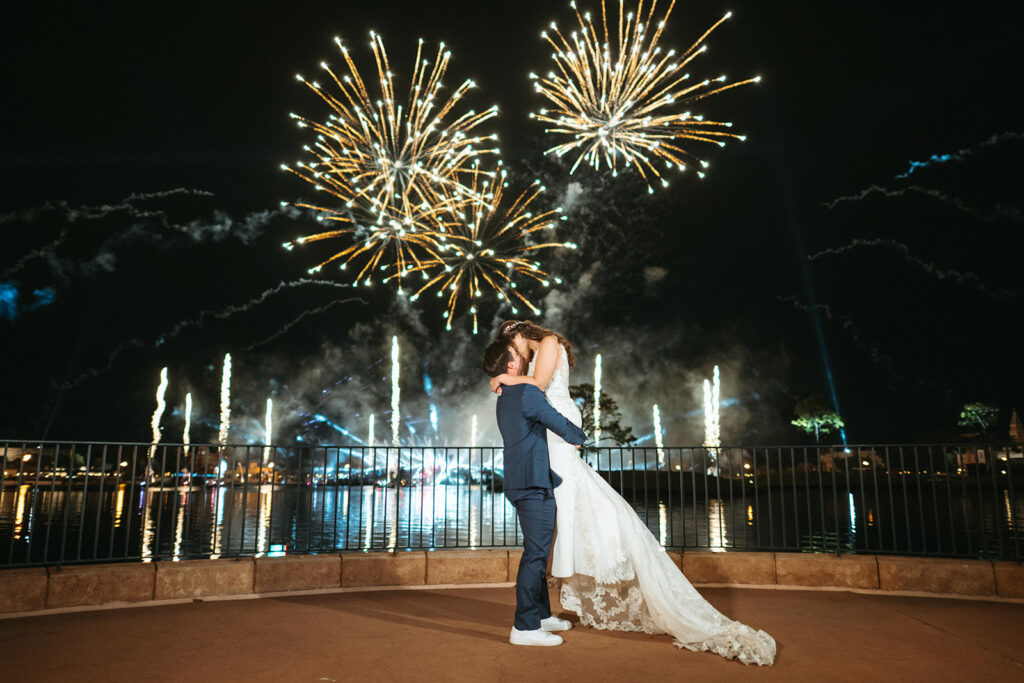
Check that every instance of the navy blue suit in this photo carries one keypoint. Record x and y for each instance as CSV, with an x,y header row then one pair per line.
x,y
524,416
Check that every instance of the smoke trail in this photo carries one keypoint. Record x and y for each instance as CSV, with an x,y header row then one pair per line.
x,y
225,401
302,316
969,279
369,437
199,321
935,195
962,154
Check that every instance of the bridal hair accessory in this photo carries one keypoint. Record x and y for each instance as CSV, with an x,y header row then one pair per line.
x,y
512,327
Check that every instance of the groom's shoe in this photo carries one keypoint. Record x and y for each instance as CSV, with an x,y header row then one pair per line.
x,y
555,624
539,637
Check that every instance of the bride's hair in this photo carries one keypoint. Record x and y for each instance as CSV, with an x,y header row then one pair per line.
x,y
531,330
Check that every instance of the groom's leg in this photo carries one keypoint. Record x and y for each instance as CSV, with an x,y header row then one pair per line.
x,y
536,508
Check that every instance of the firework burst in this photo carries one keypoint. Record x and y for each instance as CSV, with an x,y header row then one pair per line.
x,y
491,247
393,168
620,98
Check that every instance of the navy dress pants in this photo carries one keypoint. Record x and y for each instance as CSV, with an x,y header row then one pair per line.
x,y
536,508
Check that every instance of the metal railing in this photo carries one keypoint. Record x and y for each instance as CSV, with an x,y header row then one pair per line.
x,y
78,502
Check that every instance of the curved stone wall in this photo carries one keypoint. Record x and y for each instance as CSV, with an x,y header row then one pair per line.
x,y
44,588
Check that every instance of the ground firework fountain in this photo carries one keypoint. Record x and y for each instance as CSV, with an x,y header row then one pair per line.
x,y
712,420
658,435
158,414
225,400
185,437
597,399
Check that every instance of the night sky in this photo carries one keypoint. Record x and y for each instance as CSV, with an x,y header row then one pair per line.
x,y
141,224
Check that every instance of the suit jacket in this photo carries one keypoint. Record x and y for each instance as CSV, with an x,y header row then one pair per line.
x,y
524,416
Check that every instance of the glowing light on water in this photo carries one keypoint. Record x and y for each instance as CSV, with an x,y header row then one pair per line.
x,y
188,421
225,400
658,434
19,515
662,524
118,505
269,438
716,526
597,399
395,391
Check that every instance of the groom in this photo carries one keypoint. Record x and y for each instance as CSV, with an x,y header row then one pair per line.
x,y
524,416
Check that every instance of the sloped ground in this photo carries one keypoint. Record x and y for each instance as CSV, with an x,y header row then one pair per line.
x,y
461,635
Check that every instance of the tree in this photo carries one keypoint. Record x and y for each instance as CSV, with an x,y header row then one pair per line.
x,y
814,416
978,415
611,416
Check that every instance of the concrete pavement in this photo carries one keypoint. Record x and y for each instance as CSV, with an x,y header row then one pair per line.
x,y
460,634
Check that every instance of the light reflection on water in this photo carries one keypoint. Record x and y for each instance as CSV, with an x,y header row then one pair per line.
x,y
129,520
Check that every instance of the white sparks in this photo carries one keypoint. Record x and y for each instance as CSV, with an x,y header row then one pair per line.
x,y
395,391
597,399
225,401
658,436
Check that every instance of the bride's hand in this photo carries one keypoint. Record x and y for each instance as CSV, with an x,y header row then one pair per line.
x,y
496,382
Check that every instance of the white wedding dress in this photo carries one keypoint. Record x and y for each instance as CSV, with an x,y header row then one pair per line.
x,y
615,575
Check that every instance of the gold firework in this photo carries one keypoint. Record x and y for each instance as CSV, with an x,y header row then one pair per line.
x,y
394,168
618,95
491,247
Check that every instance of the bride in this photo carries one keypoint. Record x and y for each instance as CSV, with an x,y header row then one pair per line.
x,y
614,573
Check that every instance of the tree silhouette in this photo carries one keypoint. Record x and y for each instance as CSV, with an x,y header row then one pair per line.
x,y
814,416
978,415
611,416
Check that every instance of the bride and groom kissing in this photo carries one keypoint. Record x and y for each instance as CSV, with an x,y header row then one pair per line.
x,y
614,574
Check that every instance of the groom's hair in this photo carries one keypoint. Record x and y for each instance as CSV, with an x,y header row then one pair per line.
x,y
496,358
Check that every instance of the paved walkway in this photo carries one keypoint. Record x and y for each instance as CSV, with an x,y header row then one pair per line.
x,y
461,635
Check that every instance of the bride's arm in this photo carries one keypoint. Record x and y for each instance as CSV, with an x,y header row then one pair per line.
x,y
543,369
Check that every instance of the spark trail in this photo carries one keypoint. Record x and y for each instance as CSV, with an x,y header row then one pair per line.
x,y
620,99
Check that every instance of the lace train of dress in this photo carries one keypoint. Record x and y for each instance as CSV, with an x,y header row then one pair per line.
x,y
615,575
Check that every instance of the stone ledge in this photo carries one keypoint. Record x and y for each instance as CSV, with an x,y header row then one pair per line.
x,y
22,590
296,573
845,571
199,578
1009,579
737,567
100,584
467,566
383,569
936,575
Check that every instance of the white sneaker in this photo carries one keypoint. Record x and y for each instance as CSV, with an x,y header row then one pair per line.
x,y
539,637
555,624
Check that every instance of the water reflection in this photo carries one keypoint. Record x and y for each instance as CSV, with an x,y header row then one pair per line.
x,y
19,517
716,526
130,520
